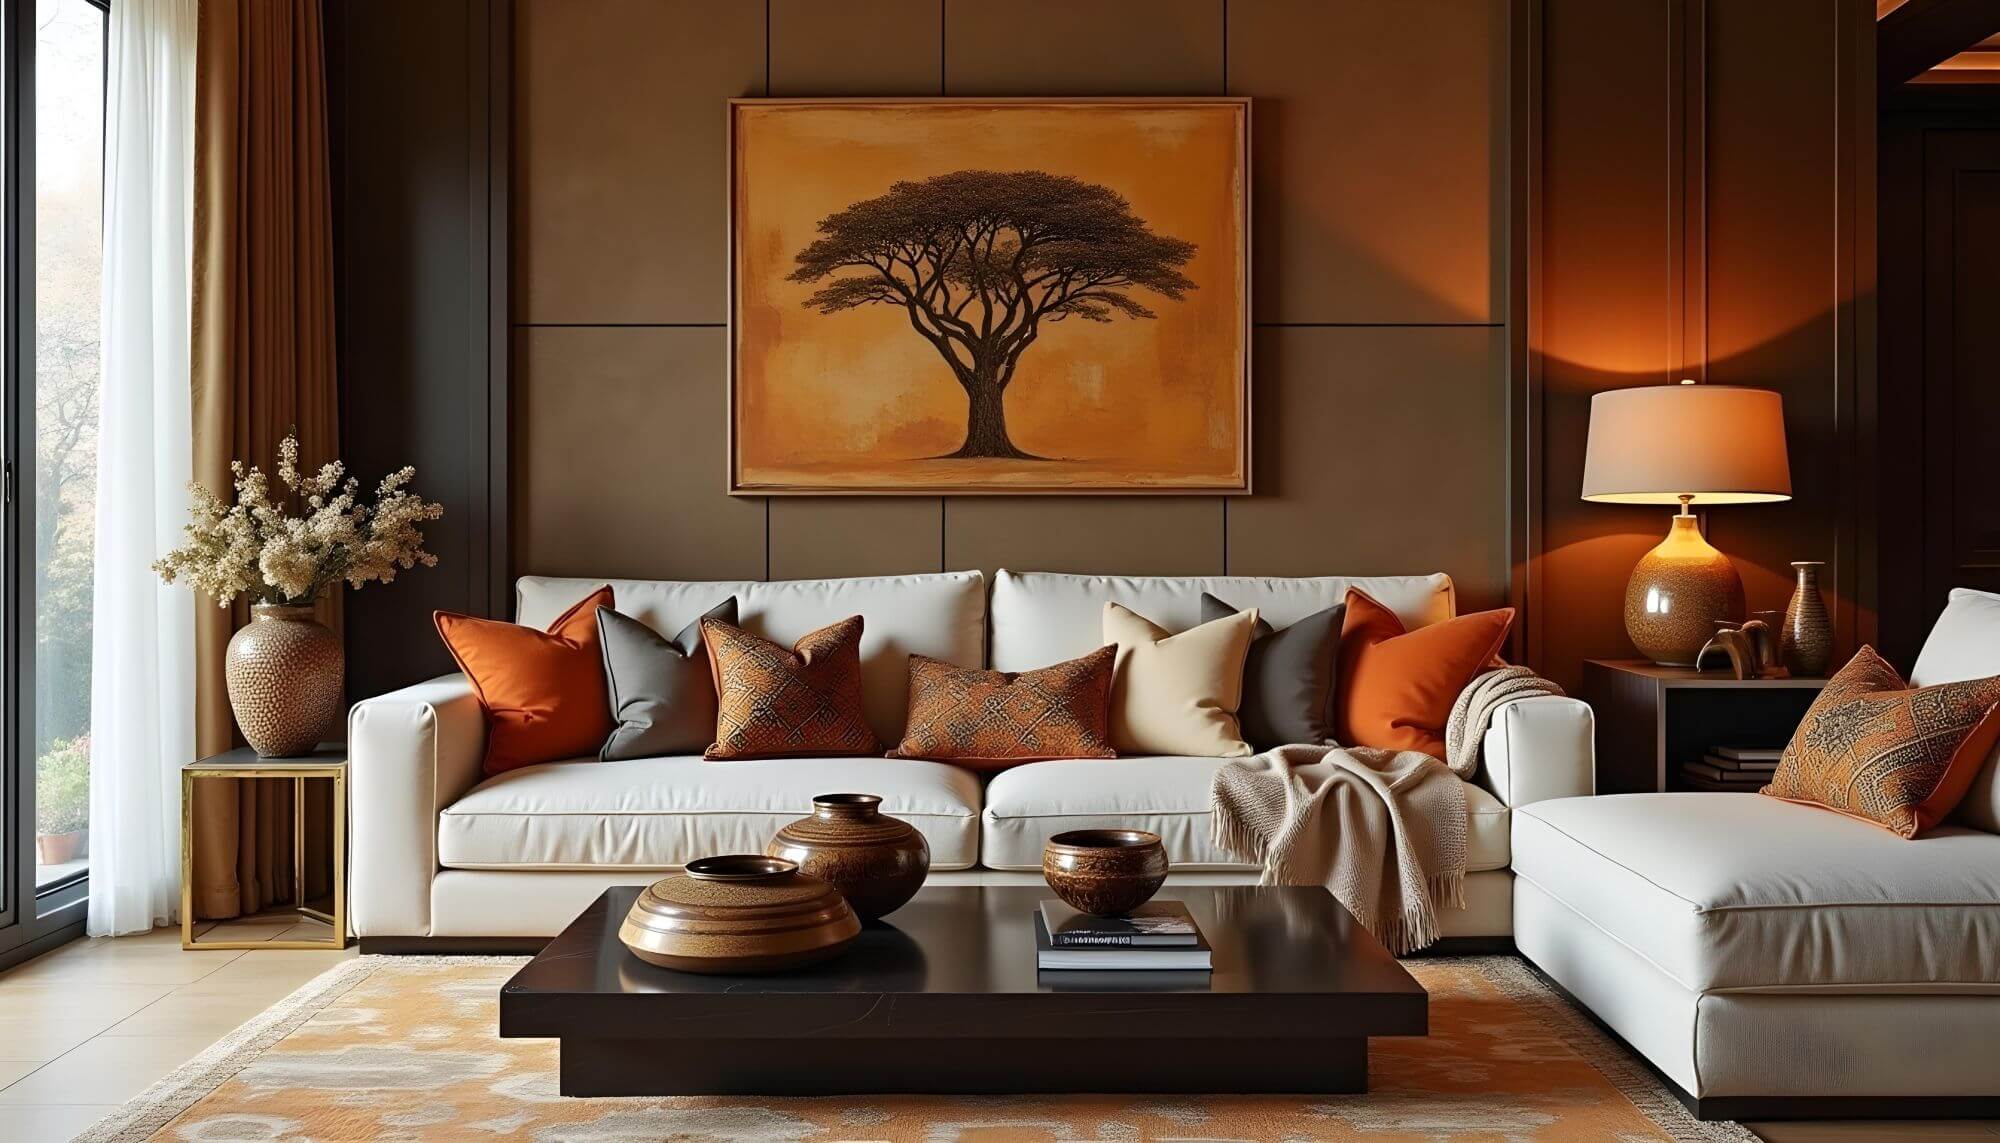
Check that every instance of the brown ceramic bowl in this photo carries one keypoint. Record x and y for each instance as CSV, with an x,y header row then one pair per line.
x,y
878,863
743,913
1105,872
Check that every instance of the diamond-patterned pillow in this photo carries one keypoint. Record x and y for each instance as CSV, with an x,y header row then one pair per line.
x,y
990,720
1873,748
774,703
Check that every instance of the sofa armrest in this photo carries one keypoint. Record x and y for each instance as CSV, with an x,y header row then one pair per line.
x,y
410,754
1539,748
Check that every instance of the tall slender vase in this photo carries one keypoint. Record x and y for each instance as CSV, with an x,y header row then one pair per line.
x,y
285,672
1806,641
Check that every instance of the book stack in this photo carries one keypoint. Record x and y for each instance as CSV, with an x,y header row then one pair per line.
x,y
1737,769
1156,935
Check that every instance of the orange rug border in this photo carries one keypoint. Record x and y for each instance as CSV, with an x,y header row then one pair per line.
x,y
149,1112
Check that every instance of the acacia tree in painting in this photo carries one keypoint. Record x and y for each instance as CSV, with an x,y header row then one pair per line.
x,y
980,260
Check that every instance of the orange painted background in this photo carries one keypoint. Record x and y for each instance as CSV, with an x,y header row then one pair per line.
x,y
857,399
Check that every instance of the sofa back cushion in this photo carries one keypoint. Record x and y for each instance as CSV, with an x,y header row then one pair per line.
x,y
941,615
1045,617
1965,644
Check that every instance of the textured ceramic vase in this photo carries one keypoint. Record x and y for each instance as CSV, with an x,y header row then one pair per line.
x,y
877,863
1105,872
743,913
285,672
1805,643
1676,594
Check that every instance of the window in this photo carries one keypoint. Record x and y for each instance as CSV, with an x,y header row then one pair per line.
x,y
68,204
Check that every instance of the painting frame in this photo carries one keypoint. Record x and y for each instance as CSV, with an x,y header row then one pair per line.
x,y
1238,483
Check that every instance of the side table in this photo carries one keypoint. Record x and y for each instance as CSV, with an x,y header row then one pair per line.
x,y
328,762
1650,718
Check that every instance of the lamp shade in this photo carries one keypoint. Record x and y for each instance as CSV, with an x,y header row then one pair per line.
x,y
1718,444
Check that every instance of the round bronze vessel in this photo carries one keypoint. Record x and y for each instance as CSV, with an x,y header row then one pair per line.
x,y
1105,872
743,913
877,863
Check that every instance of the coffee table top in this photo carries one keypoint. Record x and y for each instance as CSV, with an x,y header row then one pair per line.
x,y
1283,956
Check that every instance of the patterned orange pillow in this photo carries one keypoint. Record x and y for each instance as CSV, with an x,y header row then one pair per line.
x,y
1873,748
990,720
774,703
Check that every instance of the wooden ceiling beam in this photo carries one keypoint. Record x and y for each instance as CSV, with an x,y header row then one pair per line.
x,y
1920,34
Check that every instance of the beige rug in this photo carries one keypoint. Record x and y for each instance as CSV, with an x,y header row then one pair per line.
x,y
404,1048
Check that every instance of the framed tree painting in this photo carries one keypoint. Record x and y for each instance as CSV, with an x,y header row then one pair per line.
x,y
989,296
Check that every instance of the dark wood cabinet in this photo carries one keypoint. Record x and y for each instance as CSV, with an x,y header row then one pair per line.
x,y
1651,718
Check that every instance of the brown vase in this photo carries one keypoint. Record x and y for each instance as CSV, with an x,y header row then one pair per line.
x,y
1806,640
1105,872
743,913
285,672
877,863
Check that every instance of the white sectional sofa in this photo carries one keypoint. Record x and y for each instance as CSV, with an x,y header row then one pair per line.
x,y
1778,960
443,857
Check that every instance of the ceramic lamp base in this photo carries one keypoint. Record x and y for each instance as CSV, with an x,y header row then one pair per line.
x,y
1677,593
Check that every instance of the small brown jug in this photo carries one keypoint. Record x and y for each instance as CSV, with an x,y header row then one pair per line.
x,y
877,862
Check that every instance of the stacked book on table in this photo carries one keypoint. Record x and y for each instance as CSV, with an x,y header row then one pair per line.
x,y
1156,935
1737,769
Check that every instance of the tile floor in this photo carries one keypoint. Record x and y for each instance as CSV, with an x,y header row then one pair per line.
x,y
88,1026
94,1023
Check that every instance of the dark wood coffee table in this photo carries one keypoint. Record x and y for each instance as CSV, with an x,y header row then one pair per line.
x,y
944,997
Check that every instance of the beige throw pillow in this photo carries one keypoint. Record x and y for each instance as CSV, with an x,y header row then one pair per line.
x,y
1178,694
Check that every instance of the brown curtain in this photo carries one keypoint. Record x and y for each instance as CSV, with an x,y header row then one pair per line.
x,y
263,361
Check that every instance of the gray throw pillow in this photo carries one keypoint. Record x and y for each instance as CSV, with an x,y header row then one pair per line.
x,y
1288,678
662,693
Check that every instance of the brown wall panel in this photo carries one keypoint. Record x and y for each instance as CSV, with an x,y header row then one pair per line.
x,y
619,163
1381,134
1062,47
619,458
1362,472
857,47
815,537
1102,535
1608,204
1771,263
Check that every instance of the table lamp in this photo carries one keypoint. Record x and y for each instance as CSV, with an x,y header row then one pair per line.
x,y
1692,445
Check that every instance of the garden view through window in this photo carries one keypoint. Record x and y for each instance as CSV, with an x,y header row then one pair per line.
x,y
69,196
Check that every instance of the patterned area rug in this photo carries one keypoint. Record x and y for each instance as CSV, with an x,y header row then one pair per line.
x,y
405,1048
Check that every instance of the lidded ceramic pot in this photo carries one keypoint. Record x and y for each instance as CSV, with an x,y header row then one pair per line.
x,y
878,863
1105,872
743,913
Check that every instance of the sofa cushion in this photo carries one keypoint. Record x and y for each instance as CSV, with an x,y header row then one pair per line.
x,y
1177,693
1740,891
779,702
990,720
660,813
1167,795
1965,644
1045,617
543,691
940,615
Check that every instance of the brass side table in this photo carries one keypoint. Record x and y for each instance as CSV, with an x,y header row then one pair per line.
x,y
328,762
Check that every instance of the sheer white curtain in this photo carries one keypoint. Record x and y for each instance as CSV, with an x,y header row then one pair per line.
x,y
142,654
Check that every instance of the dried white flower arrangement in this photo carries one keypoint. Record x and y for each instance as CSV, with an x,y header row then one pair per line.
x,y
319,531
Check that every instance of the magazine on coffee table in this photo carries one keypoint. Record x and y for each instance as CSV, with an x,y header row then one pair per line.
x,y
1117,957
1156,923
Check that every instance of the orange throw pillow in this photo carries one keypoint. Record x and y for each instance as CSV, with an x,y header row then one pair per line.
x,y
543,691
990,720
774,703
1873,748
1395,688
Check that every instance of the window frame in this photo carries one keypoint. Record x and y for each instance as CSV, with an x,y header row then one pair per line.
x,y
31,921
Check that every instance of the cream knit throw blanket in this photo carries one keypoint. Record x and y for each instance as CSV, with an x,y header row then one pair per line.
x,y
1383,830
1475,708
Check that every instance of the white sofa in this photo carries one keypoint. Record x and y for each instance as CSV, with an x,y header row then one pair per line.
x,y
444,857
1778,960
